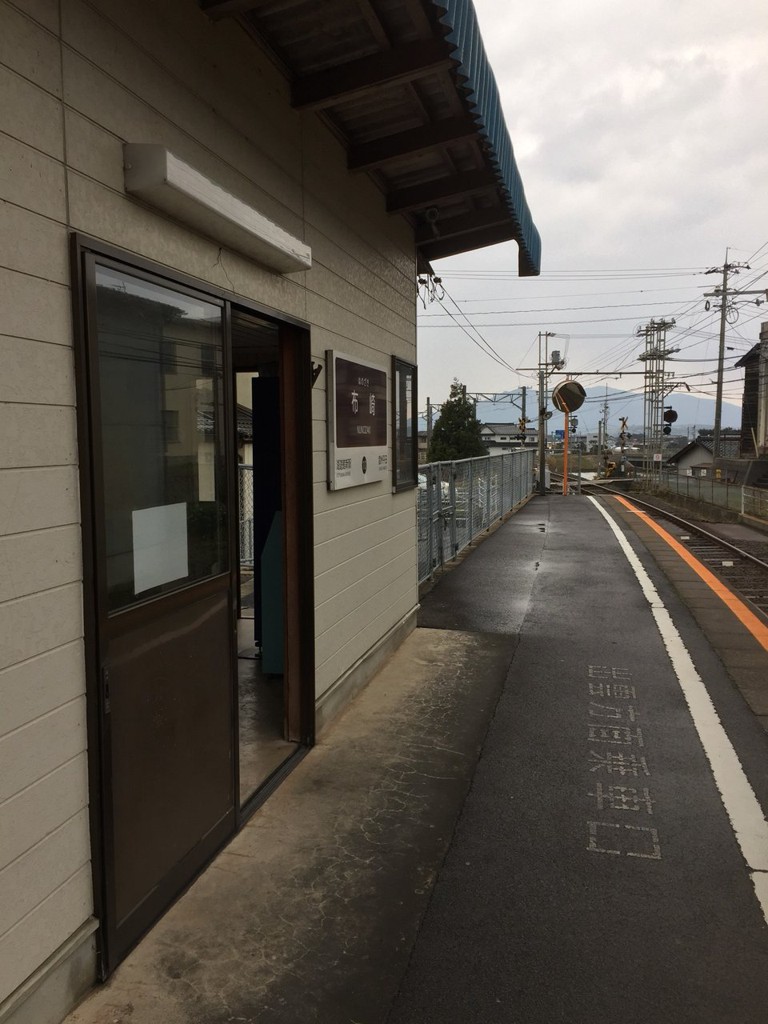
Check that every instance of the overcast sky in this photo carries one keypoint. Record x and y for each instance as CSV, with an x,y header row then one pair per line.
x,y
641,133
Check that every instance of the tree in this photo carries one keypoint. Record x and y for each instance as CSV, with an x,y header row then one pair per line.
x,y
456,435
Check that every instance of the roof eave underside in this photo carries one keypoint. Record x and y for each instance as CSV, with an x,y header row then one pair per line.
x,y
407,87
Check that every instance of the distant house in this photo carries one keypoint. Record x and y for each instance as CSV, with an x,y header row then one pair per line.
x,y
422,444
754,406
749,465
696,458
505,437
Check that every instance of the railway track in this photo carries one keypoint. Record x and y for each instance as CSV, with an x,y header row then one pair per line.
x,y
745,571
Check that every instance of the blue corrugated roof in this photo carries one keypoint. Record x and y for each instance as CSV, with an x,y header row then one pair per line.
x,y
483,96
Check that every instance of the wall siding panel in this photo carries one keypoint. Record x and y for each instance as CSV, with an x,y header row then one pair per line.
x,y
36,373
41,623
156,73
31,307
44,929
32,562
28,880
42,746
32,244
46,12
32,179
33,499
29,49
30,114
333,661
42,809
39,685
37,435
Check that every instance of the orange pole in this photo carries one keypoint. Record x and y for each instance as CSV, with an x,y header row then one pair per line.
x,y
565,456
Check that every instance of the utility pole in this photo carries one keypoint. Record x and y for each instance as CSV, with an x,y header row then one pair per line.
x,y
543,411
655,354
726,309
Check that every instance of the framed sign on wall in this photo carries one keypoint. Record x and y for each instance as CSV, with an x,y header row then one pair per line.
x,y
357,421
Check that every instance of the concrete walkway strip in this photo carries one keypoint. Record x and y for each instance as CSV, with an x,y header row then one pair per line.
x,y
311,912
744,812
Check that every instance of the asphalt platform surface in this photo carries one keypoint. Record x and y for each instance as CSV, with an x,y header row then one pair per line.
x,y
515,823
594,876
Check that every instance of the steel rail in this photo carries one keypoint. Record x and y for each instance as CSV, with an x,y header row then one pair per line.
x,y
685,523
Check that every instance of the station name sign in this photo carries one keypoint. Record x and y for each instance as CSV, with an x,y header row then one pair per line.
x,y
357,421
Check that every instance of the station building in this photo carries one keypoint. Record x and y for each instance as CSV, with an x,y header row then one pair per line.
x,y
214,219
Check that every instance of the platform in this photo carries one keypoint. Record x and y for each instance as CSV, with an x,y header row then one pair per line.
x,y
516,823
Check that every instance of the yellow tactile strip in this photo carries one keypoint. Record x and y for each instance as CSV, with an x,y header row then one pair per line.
x,y
748,619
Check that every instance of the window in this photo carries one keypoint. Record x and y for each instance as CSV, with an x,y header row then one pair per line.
x,y
404,425
161,389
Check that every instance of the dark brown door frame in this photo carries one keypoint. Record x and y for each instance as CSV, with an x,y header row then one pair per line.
x,y
298,568
296,384
113,944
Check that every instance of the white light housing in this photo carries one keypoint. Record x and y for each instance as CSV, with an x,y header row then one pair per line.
x,y
162,180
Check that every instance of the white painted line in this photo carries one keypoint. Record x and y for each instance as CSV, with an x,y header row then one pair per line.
x,y
741,804
760,882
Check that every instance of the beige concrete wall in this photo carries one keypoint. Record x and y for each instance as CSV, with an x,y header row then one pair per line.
x,y
45,885
77,79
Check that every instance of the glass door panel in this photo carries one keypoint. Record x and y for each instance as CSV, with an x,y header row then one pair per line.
x,y
160,373
166,618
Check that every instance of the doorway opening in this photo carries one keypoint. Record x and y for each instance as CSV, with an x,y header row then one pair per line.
x,y
261,672
168,576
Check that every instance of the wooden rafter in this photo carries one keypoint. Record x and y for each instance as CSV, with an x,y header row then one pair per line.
x,y
442,247
216,9
464,224
430,192
367,74
374,24
374,154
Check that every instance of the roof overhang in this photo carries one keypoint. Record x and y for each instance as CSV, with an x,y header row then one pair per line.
x,y
407,87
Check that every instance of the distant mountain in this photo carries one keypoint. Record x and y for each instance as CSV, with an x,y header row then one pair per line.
x,y
693,412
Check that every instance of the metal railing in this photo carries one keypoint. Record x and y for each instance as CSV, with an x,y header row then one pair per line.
x,y
752,501
460,500
457,502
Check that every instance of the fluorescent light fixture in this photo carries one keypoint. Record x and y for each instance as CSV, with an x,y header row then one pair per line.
x,y
163,180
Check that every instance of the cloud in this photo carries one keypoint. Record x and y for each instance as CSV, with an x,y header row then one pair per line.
x,y
641,133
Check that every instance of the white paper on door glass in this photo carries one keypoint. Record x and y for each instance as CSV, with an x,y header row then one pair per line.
x,y
160,547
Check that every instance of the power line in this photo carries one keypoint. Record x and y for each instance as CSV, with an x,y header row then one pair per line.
x,y
550,309
482,344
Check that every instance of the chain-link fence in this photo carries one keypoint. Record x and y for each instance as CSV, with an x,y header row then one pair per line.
x,y
754,502
459,500
245,516
751,501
